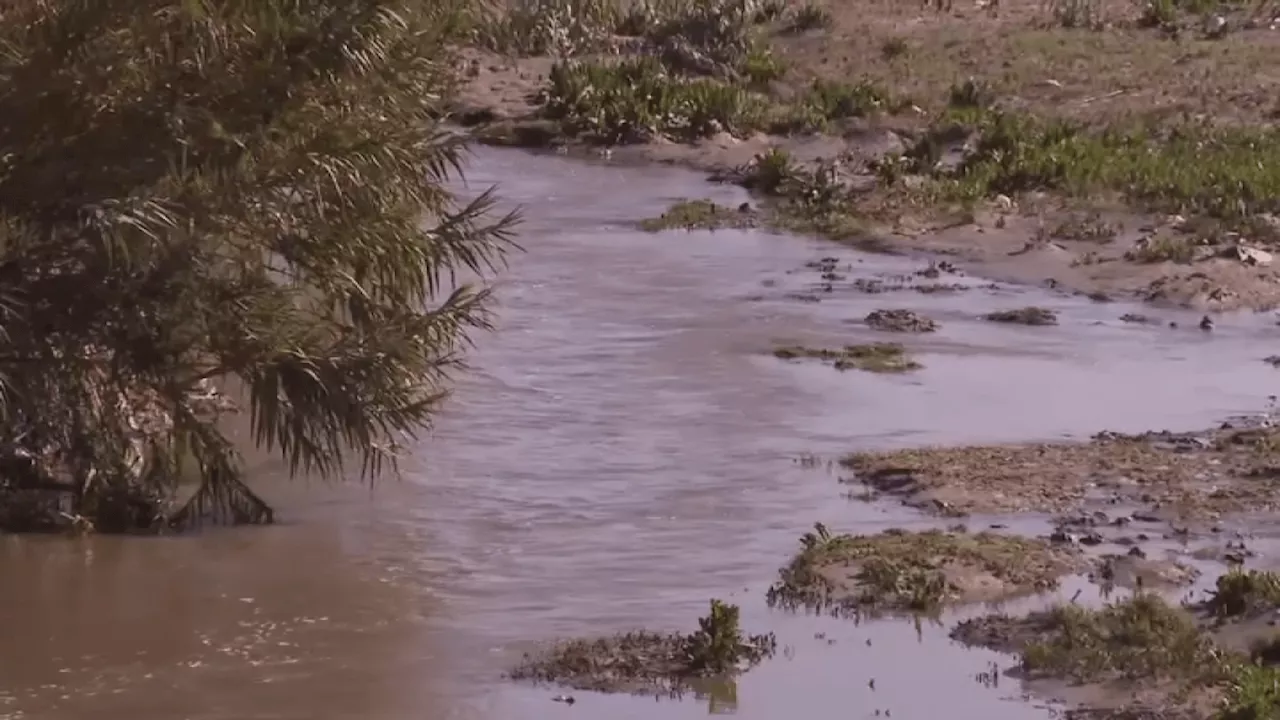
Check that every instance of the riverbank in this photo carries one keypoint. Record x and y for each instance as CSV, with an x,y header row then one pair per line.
x,y
1114,152
625,448
984,386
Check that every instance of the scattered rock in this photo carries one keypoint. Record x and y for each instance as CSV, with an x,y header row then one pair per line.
x,y
873,357
900,321
1248,255
1136,570
1024,316
1138,319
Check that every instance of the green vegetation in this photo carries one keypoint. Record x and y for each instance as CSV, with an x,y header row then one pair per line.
x,y
203,196
691,68
872,357
651,662
1146,639
635,100
1142,637
804,199
1228,173
914,572
697,36
826,102
698,215
1244,592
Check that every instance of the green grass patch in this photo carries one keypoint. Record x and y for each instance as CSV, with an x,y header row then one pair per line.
x,y
637,99
1225,173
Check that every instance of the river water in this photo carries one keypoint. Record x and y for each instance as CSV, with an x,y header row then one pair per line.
x,y
623,450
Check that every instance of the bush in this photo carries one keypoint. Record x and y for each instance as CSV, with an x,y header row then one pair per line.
x,y
244,195
635,99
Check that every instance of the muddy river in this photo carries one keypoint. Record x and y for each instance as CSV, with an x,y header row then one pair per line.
x,y
624,449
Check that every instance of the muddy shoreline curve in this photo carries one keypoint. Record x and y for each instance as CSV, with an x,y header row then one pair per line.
x,y
867,135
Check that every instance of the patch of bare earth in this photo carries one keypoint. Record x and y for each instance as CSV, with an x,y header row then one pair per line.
x,y
1187,477
1023,52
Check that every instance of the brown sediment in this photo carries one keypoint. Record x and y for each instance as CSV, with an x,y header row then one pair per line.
x,y
1193,476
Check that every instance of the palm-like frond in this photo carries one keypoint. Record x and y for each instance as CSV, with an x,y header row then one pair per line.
x,y
255,189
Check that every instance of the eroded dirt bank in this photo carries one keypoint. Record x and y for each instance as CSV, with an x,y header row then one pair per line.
x,y
1113,150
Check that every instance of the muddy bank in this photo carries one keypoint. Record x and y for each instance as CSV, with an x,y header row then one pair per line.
x,y
1174,477
979,135
1145,656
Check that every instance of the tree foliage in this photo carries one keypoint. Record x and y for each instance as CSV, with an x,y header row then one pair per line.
x,y
197,193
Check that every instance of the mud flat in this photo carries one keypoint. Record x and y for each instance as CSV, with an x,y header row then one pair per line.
x,y
1174,477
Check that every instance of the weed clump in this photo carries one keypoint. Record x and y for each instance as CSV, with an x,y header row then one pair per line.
x,y
1163,248
1147,643
872,357
551,27
647,662
698,36
806,199
1227,173
1242,593
809,16
898,571
636,100
698,215
827,101
1140,637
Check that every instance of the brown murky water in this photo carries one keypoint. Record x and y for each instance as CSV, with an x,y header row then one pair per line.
x,y
622,453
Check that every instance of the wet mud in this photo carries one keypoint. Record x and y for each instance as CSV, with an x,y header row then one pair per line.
x,y
1175,478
